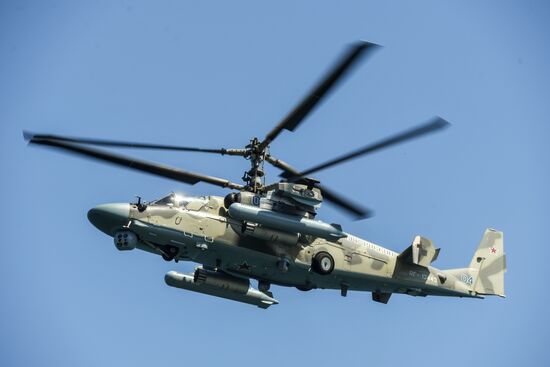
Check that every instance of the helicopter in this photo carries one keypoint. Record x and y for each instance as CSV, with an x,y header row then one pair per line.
x,y
268,232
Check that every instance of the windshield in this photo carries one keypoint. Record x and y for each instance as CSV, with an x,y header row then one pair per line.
x,y
177,200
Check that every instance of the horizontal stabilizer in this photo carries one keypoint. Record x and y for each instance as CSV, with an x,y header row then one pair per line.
x,y
422,252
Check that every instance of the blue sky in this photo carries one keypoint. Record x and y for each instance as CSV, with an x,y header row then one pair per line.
x,y
214,74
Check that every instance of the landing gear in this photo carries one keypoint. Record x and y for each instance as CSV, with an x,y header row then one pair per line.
x,y
263,286
323,263
169,253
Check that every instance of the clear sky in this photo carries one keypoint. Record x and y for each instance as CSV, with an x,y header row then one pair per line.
x,y
214,74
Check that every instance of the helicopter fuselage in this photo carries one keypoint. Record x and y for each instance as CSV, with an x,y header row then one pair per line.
x,y
203,232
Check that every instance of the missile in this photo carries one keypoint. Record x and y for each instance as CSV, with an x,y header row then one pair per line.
x,y
285,222
221,285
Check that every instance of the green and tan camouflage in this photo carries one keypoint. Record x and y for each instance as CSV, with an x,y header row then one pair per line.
x,y
200,230
268,232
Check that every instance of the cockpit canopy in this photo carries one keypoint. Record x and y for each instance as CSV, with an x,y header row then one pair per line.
x,y
178,200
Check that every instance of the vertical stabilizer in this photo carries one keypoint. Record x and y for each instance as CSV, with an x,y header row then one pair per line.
x,y
489,262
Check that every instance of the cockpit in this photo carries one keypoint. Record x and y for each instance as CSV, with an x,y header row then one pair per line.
x,y
181,201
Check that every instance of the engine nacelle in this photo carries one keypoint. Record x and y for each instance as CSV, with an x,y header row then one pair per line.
x,y
125,240
286,222
221,281
242,197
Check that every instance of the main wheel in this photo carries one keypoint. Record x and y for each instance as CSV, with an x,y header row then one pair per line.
x,y
323,263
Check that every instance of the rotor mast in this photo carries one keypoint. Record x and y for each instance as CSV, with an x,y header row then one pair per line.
x,y
255,177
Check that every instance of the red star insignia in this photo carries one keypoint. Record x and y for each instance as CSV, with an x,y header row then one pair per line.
x,y
244,266
493,250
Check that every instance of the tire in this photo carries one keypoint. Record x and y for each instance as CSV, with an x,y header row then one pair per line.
x,y
167,257
170,253
323,263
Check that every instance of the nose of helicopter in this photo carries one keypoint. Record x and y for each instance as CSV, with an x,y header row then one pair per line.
x,y
109,217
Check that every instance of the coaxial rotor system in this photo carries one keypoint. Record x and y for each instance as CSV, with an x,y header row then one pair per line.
x,y
257,152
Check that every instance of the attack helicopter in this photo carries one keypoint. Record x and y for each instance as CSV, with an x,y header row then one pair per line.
x,y
269,232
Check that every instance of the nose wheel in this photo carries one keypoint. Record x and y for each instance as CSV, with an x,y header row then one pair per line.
x,y
169,253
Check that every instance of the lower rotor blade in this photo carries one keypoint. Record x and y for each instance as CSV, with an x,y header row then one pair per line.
x,y
138,165
355,210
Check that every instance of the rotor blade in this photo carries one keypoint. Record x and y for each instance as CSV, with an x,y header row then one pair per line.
x,y
356,210
437,123
139,165
296,116
124,144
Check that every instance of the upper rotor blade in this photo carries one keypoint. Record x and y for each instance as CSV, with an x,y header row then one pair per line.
x,y
437,123
139,165
293,119
351,208
124,144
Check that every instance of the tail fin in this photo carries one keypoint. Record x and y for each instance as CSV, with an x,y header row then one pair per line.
x,y
489,262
